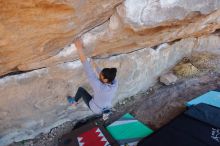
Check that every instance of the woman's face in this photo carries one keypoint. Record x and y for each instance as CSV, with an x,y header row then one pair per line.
x,y
102,79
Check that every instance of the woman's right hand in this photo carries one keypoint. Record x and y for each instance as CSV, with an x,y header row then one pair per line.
x,y
78,43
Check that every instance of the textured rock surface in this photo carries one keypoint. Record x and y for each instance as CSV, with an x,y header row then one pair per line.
x,y
34,102
34,32
130,36
209,43
142,38
168,79
152,12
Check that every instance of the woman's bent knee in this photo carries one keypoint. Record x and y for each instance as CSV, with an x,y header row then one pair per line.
x,y
81,89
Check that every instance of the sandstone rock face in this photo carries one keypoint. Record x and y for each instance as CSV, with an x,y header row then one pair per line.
x,y
168,79
125,32
142,38
208,43
154,12
34,33
32,30
34,102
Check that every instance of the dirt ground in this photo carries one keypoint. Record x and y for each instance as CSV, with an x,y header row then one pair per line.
x,y
166,102
154,107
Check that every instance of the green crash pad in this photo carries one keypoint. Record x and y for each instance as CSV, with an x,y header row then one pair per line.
x,y
128,130
211,98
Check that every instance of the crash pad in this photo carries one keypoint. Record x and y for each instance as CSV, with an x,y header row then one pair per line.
x,y
92,134
211,98
128,130
184,131
205,113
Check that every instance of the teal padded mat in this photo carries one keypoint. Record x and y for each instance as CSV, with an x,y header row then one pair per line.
x,y
211,98
128,130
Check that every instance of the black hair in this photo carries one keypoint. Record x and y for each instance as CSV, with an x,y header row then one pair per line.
x,y
109,73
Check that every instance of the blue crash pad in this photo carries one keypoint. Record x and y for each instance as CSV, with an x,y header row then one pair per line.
x,y
210,98
205,113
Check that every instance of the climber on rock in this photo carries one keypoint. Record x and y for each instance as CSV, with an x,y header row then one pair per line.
x,y
103,83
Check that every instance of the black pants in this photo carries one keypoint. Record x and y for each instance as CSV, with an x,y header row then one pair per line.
x,y
81,92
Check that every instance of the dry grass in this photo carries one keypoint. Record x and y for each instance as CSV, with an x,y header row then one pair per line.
x,y
185,68
204,60
199,61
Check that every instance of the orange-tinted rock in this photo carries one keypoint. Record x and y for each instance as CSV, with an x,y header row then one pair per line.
x,y
33,30
34,34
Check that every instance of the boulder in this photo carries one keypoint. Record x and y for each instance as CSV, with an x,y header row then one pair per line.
x,y
35,33
33,30
35,101
142,38
168,79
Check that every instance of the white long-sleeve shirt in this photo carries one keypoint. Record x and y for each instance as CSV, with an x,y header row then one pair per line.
x,y
103,93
